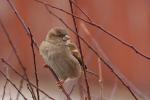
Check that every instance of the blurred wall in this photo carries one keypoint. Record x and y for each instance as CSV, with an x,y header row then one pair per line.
x,y
126,19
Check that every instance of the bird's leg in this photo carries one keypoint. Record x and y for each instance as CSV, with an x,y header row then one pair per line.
x,y
59,83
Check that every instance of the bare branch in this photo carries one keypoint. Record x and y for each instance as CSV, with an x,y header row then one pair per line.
x,y
100,79
35,67
107,62
99,62
26,28
17,56
80,49
75,4
6,63
111,97
4,90
92,73
13,85
20,88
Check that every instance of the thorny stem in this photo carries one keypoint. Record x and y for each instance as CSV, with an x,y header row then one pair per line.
x,y
80,49
6,63
18,58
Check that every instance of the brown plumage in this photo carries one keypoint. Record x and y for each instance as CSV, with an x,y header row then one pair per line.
x,y
58,53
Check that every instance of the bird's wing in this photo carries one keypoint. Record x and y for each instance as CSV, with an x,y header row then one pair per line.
x,y
74,51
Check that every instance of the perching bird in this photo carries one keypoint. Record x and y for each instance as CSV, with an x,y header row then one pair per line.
x,y
61,55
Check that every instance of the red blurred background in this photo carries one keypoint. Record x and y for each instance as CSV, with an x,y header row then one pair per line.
x,y
126,19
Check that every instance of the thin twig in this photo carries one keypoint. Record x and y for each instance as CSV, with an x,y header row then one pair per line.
x,y
76,5
16,54
99,62
72,88
100,79
28,87
20,88
92,73
18,58
80,49
13,85
99,27
6,63
4,89
10,96
57,79
108,63
111,97
26,28
7,74
81,89
35,66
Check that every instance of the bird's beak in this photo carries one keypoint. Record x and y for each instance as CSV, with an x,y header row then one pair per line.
x,y
66,37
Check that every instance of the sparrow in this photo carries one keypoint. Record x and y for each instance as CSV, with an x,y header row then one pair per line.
x,y
59,53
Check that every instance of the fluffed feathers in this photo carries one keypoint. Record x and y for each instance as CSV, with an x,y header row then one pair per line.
x,y
59,56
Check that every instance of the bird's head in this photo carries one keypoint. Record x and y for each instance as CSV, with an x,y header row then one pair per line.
x,y
57,33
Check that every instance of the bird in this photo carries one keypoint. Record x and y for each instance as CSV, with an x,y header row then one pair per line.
x,y
61,54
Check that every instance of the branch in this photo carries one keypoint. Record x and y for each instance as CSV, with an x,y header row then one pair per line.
x,y
100,78
92,73
13,85
20,88
35,67
107,62
80,49
99,62
75,4
115,86
26,28
6,63
4,90
16,54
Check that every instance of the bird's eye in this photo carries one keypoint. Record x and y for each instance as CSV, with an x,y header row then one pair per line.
x,y
60,34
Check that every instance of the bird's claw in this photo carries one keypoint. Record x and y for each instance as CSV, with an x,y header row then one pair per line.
x,y
45,66
59,83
